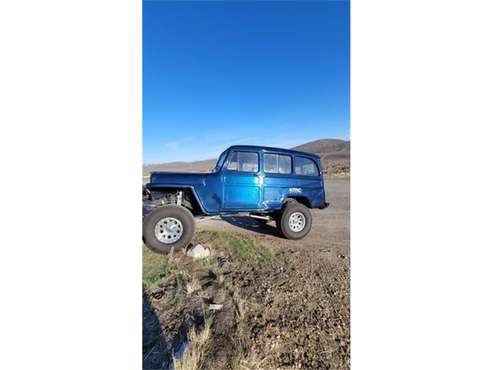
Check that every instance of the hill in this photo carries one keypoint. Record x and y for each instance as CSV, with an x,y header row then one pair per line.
x,y
335,148
334,153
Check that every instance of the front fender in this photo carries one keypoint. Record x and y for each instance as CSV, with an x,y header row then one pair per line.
x,y
168,187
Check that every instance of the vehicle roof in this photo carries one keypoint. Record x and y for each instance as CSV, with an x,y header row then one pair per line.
x,y
272,149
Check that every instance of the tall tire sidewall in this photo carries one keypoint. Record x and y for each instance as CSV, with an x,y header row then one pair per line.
x,y
289,209
180,213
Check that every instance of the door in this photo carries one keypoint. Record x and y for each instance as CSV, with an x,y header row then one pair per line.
x,y
278,181
242,181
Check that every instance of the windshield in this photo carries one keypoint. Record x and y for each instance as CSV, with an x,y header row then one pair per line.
x,y
220,161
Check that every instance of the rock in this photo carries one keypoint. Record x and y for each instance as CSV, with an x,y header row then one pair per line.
x,y
198,251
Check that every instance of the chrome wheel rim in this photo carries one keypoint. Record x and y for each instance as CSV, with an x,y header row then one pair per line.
x,y
297,222
168,230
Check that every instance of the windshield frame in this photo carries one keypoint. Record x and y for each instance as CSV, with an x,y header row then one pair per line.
x,y
220,161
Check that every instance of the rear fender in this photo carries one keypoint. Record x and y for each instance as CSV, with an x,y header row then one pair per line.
x,y
299,198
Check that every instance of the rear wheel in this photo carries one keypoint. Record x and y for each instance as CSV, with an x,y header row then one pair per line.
x,y
168,227
295,221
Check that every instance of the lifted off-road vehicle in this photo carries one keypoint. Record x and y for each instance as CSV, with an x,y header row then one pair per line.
x,y
264,183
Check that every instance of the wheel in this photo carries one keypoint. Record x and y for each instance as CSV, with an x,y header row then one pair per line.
x,y
295,221
168,227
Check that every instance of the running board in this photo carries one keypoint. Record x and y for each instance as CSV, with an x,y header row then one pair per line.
x,y
266,218
235,214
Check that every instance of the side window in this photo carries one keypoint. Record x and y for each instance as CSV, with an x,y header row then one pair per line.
x,y
305,166
233,162
248,162
284,164
270,163
243,161
276,163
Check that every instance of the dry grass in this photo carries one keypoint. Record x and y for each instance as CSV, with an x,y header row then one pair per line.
x,y
239,305
249,362
196,348
193,285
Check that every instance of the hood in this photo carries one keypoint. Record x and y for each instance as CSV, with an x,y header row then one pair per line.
x,y
177,178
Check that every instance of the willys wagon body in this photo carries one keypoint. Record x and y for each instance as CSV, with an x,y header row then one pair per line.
x,y
267,183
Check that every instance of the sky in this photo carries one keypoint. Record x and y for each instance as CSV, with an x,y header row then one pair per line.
x,y
217,74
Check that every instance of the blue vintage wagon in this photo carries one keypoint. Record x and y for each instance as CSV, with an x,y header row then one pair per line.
x,y
266,183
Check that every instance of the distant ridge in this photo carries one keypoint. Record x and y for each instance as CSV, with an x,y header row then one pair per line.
x,y
336,147
334,153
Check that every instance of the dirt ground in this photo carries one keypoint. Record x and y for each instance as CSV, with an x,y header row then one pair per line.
x,y
283,304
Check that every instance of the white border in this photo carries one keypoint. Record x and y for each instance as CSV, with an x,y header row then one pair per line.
x,y
70,148
421,185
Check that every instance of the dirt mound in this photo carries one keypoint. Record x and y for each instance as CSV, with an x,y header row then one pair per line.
x,y
280,308
298,314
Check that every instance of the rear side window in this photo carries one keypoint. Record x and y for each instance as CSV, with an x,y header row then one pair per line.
x,y
243,161
305,166
277,163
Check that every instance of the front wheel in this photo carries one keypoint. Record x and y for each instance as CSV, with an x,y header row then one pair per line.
x,y
168,227
295,221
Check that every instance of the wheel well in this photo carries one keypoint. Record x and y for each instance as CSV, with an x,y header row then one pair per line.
x,y
193,203
169,195
300,199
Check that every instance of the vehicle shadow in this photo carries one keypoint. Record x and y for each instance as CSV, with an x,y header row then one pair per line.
x,y
154,353
251,224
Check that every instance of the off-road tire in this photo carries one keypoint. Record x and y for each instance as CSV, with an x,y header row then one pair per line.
x,y
180,213
283,220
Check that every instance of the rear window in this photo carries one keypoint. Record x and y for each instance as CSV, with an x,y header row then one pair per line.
x,y
277,163
243,161
305,166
